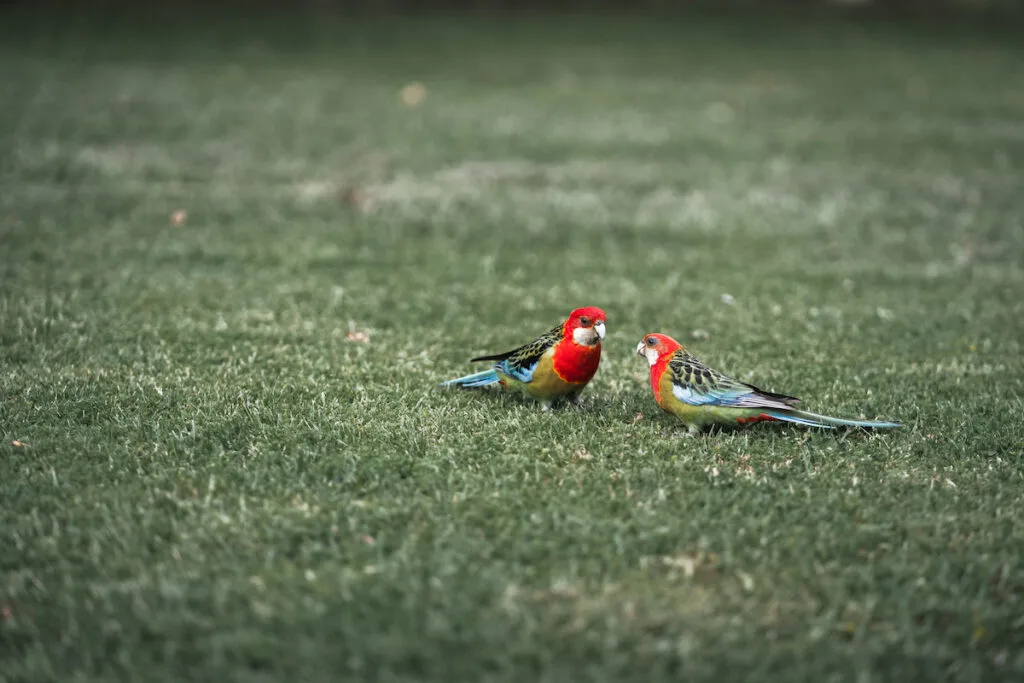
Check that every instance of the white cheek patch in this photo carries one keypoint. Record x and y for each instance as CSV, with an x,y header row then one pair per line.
x,y
584,336
652,355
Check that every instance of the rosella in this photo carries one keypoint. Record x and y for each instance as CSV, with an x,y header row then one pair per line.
x,y
556,365
701,397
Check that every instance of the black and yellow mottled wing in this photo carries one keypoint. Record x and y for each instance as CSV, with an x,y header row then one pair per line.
x,y
698,385
521,362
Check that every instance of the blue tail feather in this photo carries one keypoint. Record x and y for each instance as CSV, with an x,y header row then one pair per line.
x,y
802,417
477,379
786,417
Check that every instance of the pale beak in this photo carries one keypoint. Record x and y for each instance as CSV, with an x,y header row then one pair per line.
x,y
599,328
640,349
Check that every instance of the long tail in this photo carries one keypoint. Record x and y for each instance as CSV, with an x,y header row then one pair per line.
x,y
802,417
477,379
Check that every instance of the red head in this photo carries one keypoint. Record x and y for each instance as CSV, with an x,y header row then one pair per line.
x,y
585,326
655,346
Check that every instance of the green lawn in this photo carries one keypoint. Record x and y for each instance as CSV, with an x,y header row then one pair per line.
x,y
207,474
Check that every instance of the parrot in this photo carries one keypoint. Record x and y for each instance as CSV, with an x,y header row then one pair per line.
x,y
556,365
701,397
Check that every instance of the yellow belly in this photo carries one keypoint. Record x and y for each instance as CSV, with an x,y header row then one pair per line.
x,y
546,385
690,415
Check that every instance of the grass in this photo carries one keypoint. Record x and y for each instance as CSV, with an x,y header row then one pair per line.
x,y
203,477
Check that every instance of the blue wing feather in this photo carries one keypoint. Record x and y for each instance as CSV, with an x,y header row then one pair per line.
x,y
520,371
698,385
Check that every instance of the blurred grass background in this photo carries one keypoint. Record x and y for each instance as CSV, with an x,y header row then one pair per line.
x,y
238,254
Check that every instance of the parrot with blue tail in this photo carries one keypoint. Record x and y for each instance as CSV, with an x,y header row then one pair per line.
x,y
701,397
556,365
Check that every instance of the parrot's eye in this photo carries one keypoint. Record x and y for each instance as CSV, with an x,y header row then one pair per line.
x,y
585,321
651,341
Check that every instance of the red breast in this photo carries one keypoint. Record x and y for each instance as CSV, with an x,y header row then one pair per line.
x,y
657,371
575,363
